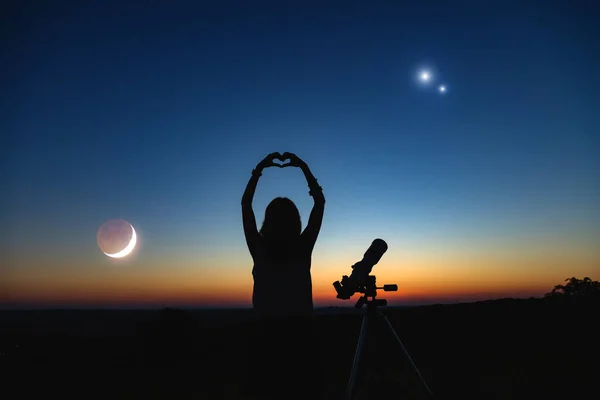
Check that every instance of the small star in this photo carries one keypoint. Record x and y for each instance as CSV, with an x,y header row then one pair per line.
x,y
442,89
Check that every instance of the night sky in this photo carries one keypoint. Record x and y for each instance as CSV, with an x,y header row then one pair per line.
x,y
156,112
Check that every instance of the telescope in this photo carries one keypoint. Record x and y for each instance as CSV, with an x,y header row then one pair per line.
x,y
359,279
362,281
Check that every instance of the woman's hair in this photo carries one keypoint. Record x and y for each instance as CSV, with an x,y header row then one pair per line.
x,y
282,221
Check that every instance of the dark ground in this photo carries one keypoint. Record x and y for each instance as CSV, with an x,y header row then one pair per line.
x,y
502,349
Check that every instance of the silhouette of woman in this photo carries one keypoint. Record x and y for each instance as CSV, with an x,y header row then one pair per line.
x,y
282,294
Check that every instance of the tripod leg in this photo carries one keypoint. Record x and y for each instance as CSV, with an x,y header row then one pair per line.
x,y
357,355
389,324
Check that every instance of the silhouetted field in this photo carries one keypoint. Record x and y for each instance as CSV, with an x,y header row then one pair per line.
x,y
502,349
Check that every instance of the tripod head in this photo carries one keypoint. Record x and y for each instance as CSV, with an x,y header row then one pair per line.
x,y
369,291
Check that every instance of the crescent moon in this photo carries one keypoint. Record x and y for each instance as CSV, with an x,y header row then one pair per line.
x,y
128,249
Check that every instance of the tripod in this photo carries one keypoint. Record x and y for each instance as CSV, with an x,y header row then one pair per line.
x,y
372,315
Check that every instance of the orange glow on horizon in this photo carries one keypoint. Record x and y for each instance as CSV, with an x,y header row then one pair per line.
x,y
424,277
181,291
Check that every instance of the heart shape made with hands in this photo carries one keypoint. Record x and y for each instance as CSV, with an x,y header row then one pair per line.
x,y
281,161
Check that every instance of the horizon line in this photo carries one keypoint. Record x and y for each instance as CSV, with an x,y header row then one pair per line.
x,y
128,307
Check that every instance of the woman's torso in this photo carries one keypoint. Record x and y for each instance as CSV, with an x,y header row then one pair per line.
x,y
283,285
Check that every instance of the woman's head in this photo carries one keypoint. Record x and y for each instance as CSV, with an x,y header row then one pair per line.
x,y
282,220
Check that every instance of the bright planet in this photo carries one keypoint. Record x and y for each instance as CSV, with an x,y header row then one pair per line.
x,y
116,238
425,76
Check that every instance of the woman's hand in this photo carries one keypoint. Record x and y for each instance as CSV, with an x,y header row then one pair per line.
x,y
268,161
295,161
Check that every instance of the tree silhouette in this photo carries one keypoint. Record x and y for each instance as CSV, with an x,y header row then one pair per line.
x,y
576,288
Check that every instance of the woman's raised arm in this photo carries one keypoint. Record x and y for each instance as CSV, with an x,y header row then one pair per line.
x,y
248,218
311,232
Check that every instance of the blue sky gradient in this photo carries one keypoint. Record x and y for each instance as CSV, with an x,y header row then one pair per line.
x,y
156,112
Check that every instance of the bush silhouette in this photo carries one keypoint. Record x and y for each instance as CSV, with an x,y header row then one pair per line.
x,y
577,289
